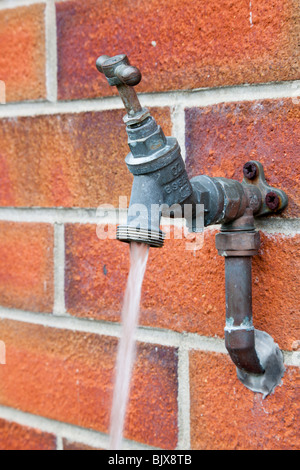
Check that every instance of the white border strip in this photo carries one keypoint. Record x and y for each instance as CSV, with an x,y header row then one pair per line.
x,y
173,99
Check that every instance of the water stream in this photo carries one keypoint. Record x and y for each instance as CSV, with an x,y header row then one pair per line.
x,y
126,348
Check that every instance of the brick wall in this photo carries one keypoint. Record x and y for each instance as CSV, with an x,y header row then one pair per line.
x,y
222,78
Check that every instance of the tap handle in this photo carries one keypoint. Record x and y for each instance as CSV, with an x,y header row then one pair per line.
x,y
118,70
124,76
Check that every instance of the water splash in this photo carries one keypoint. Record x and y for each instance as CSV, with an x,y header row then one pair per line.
x,y
126,350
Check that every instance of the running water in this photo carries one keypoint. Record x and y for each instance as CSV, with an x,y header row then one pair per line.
x,y
126,349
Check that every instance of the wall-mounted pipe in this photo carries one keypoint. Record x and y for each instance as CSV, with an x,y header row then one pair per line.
x,y
239,329
258,359
161,180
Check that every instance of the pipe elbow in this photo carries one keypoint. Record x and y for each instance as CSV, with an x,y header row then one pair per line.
x,y
240,344
271,360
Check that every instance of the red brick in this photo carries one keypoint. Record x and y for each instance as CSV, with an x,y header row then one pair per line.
x,y
22,45
221,138
177,44
69,445
68,376
69,160
276,288
96,273
26,266
225,415
17,437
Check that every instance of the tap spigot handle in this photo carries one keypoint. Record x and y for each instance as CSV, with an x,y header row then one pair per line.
x,y
118,69
124,76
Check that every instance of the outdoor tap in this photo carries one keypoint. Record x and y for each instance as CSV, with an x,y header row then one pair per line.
x,y
161,187
160,178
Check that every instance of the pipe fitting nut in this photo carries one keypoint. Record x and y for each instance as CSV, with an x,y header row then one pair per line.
x,y
238,243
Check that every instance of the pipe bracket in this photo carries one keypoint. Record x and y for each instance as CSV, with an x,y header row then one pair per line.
x,y
273,199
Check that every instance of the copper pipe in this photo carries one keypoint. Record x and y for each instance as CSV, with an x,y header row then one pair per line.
x,y
258,359
239,330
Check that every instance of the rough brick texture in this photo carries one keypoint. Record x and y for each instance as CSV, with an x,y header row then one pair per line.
x,y
22,45
70,160
221,138
96,273
74,158
26,266
227,416
69,445
68,376
17,437
177,43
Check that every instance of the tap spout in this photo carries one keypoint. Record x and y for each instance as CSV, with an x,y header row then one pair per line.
x,y
161,184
